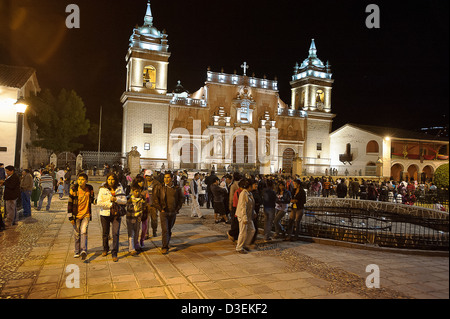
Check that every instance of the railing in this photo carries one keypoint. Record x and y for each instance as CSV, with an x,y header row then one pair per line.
x,y
292,112
379,225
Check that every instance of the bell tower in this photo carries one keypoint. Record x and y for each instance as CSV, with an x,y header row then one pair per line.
x,y
311,92
312,84
145,100
147,58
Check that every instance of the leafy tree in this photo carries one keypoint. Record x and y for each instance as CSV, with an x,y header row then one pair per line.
x,y
59,120
441,176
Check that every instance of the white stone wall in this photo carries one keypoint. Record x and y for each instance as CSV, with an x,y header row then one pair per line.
x,y
8,124
136,114
358,140
318,131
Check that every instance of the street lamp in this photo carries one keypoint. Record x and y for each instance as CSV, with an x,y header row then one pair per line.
x,y
21,107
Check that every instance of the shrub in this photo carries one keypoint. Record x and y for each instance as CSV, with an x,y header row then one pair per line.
x,y
441,176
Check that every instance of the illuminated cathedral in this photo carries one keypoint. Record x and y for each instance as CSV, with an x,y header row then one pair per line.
x,y
238,121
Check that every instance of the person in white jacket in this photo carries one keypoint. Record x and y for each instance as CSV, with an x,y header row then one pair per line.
x,y
244,214
110,192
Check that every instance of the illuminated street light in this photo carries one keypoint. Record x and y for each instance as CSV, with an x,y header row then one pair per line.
x,y
21,107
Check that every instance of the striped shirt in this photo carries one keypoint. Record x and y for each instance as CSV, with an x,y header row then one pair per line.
x,y
46,181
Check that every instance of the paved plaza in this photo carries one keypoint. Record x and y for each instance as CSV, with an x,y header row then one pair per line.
x,y
36,259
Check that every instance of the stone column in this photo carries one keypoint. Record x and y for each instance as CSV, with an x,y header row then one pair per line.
x,y
134,161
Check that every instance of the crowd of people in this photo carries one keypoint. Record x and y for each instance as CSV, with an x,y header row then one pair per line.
x,y
236,199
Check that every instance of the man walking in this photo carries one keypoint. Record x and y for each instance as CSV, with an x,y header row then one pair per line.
x,y
26,187
47,190
11,194
168,199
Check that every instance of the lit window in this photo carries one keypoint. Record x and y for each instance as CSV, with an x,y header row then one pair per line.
x,y
149,77
147,146
148,129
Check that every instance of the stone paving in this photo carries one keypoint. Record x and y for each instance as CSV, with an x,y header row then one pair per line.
x,y
202,264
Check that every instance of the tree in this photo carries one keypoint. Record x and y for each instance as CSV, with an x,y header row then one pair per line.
x,y
441,176
59,120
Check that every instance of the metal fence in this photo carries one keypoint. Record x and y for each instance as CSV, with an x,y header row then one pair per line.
x,y
91,159
372,227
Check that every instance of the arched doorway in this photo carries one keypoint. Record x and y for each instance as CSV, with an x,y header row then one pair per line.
x,y
397,172
413,172
427,173
243,150
371,169
288,160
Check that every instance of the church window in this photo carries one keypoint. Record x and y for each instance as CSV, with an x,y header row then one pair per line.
x,y
320,97
147,146
149,77
148,128
372,147
245,113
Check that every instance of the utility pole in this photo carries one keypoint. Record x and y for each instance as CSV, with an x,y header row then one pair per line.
x,y
99,139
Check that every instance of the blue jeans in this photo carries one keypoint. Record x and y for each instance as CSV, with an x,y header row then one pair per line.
x,y
106,222
133,227
26,203
269,214
167,223
279,229
80,231
295,217
46,192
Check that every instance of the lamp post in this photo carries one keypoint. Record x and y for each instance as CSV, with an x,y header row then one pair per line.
x,y
21,107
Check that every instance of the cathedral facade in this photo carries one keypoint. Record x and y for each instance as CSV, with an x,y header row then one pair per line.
x,y
234,122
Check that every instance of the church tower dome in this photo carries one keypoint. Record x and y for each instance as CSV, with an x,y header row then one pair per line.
x,y
148,36
148,58
312,84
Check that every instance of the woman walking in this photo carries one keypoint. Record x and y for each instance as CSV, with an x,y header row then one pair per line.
x,y
110,192
281,206
295,217
244,213
268,197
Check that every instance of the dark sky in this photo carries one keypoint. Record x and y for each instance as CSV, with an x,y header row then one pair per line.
x,y
393,76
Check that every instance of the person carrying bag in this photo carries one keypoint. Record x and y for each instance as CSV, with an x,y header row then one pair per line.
x,y
111,200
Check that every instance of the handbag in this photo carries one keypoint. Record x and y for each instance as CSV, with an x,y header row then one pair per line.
x,y
117,210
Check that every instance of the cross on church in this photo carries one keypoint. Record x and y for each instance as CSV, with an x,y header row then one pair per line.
x,y
245,67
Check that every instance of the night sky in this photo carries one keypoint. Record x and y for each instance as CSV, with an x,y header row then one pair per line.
x,y
393,76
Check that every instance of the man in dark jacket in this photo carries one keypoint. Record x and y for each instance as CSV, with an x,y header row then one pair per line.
x,y
11,194
168,199
209,180
341,189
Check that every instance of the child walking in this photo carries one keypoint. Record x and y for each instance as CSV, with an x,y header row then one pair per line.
x,y
61,188
79,211
135,210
